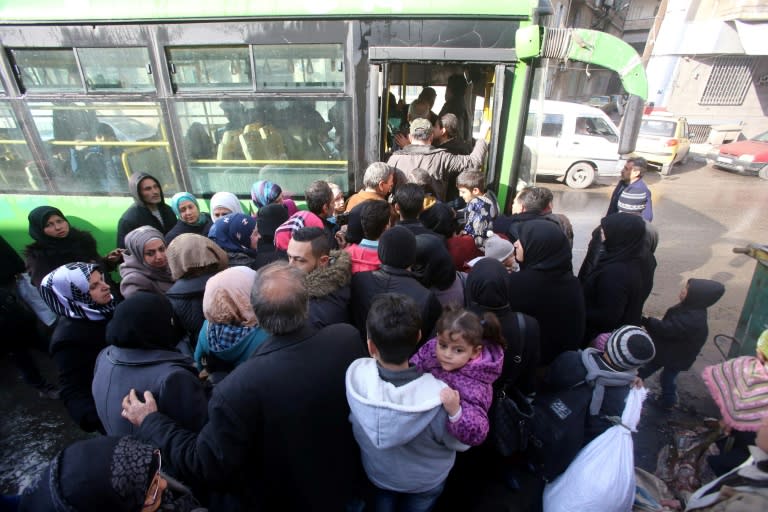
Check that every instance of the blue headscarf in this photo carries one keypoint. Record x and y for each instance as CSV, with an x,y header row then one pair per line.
x,y
233,233
179,198
265,192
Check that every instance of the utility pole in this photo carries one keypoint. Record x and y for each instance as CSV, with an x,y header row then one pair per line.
x,y
651,42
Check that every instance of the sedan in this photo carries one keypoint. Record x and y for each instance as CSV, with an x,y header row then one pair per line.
x,y
745,156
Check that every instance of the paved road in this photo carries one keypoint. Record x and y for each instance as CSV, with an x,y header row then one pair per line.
x,y
701,214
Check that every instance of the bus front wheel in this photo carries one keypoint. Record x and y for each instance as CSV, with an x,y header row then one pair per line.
x,y
580,175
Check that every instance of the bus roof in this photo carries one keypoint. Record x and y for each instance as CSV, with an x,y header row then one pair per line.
x,y
40,11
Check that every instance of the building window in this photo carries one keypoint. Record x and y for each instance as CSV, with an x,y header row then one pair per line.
x,y
728,81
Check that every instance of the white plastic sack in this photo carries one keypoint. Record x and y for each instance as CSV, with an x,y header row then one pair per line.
x,y
602,476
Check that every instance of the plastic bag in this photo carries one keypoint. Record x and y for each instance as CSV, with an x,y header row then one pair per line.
x,y
602,476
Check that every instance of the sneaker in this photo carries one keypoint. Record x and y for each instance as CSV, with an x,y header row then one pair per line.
x,y
49,391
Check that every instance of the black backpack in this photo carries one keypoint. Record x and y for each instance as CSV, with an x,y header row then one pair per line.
x,y
557,429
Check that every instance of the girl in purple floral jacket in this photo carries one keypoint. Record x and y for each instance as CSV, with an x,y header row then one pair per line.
x,y
467,354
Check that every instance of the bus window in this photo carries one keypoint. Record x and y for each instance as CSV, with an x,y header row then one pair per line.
x,y
95,147
299,66
18,171
116,69
292,141
47,70
210,67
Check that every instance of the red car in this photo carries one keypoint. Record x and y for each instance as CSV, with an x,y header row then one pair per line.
x,y
746,156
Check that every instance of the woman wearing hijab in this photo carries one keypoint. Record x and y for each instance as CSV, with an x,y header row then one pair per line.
x,y
56,242
77,293
268,219
230,333
546,288
237,235
191,219
613,290
193,260
224,203
119,474
145,266
142,355
264,192
435,270
486,291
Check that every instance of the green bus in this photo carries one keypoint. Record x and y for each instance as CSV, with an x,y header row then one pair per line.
x,y
211,96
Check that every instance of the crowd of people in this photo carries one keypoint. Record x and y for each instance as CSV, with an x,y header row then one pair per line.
x,y
342,357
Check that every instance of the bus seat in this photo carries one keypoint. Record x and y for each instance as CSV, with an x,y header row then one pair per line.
x,y
229,147
262,142
154,161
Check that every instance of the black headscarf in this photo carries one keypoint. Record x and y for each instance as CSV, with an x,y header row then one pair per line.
x,y
487,287
441,219
545,247
143,320
434,266
77,243
624,238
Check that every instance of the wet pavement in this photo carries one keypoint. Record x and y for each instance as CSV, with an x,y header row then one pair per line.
x,y
701,214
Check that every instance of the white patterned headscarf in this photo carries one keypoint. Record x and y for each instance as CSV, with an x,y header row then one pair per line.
x,y
66,291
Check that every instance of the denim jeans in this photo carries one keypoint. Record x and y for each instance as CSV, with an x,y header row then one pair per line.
x,y
391,501
667,379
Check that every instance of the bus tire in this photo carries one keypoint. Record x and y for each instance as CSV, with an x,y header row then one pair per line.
x,y
580,175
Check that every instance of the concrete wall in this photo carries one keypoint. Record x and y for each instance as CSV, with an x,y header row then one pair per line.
x,y
685,89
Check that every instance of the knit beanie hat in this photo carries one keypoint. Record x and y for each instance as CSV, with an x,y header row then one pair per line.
x,y
629,347
762,343
269,218
265,192
397,247
498,248
632,201
740,388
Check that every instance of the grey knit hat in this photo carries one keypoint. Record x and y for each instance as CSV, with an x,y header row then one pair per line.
x,y
630,347
498,248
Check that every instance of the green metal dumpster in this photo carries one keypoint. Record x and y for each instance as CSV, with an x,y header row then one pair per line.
x,y
754,315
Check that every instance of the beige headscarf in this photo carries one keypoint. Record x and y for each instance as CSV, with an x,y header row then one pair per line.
x,y
227,298
189,251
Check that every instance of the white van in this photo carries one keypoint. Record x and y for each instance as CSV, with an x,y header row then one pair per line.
x,y
577,142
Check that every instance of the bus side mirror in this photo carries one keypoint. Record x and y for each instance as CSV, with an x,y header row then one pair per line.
x,y
630,124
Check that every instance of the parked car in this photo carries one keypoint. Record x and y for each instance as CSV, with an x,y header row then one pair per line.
x,y
745,156
663,140
577,142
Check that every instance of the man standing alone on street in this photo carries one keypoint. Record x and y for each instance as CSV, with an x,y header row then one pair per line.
x,y
148,209
630,185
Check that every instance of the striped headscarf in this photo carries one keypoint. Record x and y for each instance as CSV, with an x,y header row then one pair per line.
x,y
66,291
264,192
740,388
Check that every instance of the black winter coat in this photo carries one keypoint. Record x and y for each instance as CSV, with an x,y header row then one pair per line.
x,y
568,370
679,336
182,227
139,215
613,298
556,301
186,296
278,434
366,285
75,344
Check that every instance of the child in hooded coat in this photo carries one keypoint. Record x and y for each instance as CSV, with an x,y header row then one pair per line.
x,y
680,334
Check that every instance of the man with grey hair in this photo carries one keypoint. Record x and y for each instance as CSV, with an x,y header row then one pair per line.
x,y
278,419
378,180
439,163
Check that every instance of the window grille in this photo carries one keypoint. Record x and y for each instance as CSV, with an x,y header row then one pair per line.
x,y
728,81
